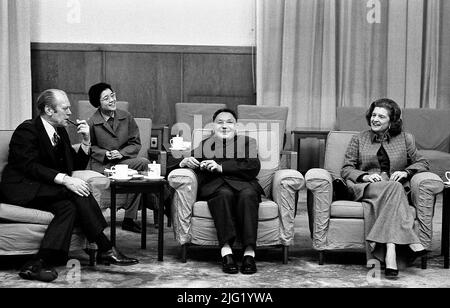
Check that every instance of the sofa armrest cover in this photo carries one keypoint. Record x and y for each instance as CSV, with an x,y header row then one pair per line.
x,y
285,187
424,188
320,183
97,181
184,181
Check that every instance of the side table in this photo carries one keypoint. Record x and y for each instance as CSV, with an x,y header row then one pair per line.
x,y
445,224
140,186
303,133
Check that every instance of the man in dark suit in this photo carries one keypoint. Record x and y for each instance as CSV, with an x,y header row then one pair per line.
x,y
227,165
41,160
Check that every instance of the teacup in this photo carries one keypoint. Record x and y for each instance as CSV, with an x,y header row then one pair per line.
x,y
447,176
120,171
154,170
177,142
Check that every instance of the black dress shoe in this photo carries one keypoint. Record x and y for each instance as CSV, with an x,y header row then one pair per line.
x,y
390,273
38,270
248,265
413,255
131,225
229,265
113,256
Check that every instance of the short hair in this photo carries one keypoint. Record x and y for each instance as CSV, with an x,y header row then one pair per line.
x,y
48,98
224,110
95,91
395,113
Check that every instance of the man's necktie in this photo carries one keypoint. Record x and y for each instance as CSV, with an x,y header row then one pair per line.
x,y
55,139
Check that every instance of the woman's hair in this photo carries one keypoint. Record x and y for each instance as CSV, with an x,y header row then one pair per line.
x,y
95,91
394,111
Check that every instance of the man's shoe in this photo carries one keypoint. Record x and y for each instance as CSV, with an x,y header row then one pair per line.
x,y
229,265
131,225
390,273
114,256
38,270
248,265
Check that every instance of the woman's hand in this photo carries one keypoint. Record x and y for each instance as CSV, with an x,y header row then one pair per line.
x,y
398,175
115,155
372,178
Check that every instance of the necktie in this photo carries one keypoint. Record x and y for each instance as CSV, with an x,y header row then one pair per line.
x,y
55,139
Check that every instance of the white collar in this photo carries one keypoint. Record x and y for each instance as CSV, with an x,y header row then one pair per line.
x,y
49,129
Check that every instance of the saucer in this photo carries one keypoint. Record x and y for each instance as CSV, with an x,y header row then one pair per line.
x,y
153,177
447,183
120,179
178,149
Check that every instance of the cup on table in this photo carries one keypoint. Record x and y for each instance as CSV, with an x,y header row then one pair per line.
x,y
120,171
177,142
154,170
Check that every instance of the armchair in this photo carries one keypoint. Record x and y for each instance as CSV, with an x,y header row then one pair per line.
x,y
339,224
192,221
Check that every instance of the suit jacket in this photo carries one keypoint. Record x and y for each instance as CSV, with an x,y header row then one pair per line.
x,y
240,164
361,158
124,136
32,161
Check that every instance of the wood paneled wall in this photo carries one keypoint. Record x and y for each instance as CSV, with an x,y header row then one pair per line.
x,y
153,78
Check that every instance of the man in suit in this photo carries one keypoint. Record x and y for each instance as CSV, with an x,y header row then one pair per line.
x,y
41,160
227,165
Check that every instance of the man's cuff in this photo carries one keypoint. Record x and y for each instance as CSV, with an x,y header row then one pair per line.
x,y
59,178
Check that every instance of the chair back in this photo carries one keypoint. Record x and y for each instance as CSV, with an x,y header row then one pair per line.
x,y
145,131
336,146
5,138
186,113
351,119
86,110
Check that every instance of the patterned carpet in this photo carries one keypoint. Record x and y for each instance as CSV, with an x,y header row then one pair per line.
x,y
203,268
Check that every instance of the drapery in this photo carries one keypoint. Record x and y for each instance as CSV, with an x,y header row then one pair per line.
x,y
316,55
15,63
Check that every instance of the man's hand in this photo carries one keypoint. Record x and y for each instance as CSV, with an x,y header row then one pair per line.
x,y
83,129
210,165
398,175
115,155
190,162
77,186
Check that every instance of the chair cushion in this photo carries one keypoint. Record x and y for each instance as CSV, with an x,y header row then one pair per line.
x,y
267,210
5,137
439,162
347,209
337,143
16,213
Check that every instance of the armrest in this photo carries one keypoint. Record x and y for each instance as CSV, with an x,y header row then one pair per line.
x,y
285,187
424,188
288,160
184,181
320,183
97,181
160,157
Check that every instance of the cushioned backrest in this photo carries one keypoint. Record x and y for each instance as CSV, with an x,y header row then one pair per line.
x,y
268,149
430,127
351,119
337,143
276,126
86,110
145,130
186,113
5,137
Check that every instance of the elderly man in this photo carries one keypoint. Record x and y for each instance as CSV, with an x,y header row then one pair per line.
x,y
38,175
227,165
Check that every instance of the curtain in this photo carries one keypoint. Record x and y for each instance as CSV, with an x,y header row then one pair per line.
x,y
15,63
316,55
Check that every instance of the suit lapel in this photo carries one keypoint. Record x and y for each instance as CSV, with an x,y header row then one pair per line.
x,y
97,119
44,139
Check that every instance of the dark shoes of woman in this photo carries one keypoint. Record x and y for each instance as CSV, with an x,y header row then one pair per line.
x,y
391,273
229,265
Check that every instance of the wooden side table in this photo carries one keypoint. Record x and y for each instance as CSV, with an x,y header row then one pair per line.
x,y
145,187
445,225
303,133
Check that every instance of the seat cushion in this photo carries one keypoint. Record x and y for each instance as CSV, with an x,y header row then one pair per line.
x,y
20,214
439,162
347,209
267,210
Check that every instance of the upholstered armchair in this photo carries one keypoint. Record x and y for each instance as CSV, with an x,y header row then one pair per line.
x,y
192,221
339,224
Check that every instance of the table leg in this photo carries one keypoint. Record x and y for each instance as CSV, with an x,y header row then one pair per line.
x,y
113,215
161,223
144,221
445,226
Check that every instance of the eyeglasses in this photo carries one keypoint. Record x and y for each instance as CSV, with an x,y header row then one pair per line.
x,y
106,98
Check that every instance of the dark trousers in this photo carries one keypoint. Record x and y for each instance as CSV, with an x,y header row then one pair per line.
x,y
68,209
235,213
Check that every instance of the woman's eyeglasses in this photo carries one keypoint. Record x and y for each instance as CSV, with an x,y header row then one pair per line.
x,y
106,98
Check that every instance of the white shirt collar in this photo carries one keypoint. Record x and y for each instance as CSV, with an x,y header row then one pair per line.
x,y
49,129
